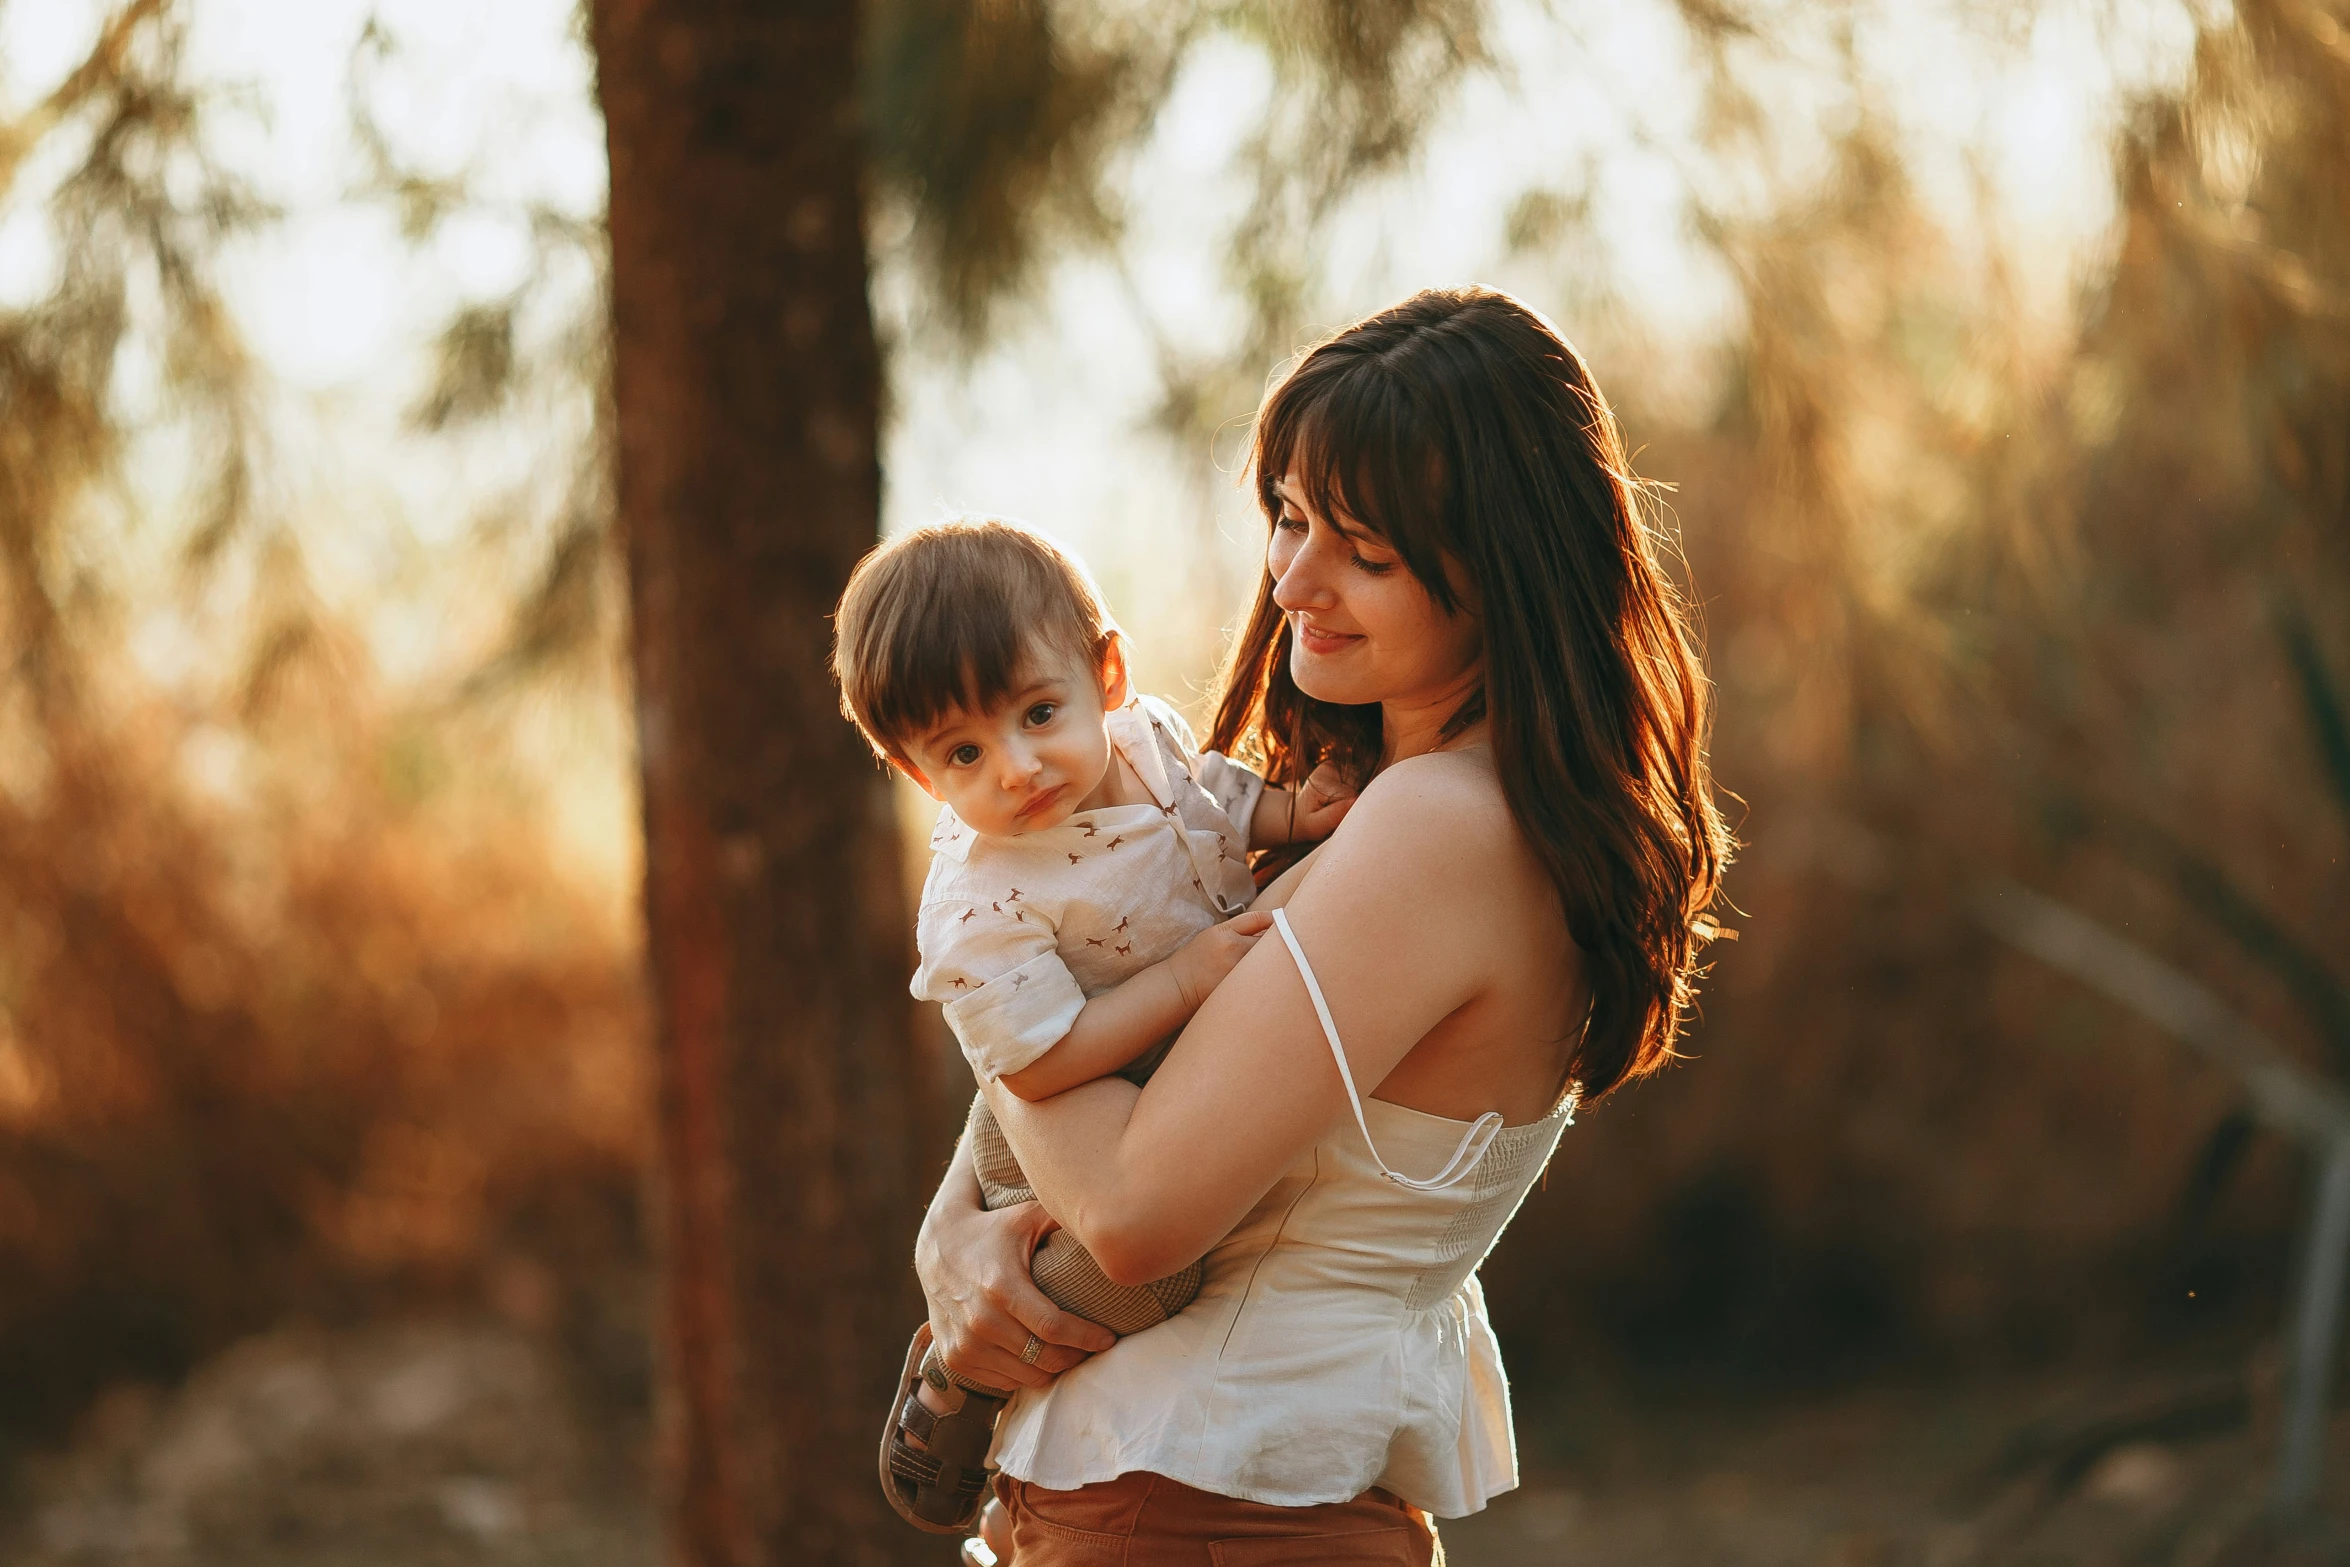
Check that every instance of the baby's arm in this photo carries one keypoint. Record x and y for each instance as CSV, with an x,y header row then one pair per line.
x,y
1123,1022
1018,1013
1304,815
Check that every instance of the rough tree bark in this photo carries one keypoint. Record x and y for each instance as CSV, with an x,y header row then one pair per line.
x,y
746,378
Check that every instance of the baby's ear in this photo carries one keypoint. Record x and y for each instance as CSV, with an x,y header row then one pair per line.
x,y
1117,683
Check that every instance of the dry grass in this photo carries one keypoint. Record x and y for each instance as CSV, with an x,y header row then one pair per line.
x,y
324,1052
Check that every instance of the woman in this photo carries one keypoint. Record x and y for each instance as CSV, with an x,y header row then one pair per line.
x,y
1462,609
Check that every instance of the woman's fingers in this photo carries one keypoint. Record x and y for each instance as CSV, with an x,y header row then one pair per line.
x,y
979,1339
977,1361
987,1345
982,1322
1016,1308
1056,1326
1032,1311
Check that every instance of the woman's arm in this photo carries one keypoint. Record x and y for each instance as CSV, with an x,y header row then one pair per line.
x,y
1398,929
1283,887
973,1265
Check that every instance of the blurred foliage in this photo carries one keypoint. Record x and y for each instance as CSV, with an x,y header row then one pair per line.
x,y
996,130
998,134
285,1026
135,225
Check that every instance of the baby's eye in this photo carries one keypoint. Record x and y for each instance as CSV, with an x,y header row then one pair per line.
x,y
963,755
1042,713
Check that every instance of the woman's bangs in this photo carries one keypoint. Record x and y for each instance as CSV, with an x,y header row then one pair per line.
x,y
1389,483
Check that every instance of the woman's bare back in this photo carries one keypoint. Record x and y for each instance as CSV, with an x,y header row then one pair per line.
x,y
1507,1048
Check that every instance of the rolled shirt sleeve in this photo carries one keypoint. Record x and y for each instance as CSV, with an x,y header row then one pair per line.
x,y
1233,787
1008,996
1013,1019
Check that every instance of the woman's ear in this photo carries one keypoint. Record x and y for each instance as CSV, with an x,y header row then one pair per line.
x,y
1117,684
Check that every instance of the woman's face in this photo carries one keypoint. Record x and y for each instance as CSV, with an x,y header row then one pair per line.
x,y
1362,627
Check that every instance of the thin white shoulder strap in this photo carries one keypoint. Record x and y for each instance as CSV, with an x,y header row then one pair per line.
x,y
1473,1142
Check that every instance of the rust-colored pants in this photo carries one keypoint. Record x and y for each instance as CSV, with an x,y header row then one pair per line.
x,y
1148,1520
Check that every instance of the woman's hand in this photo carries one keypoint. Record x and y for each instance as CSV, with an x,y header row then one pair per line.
x,y
973,1265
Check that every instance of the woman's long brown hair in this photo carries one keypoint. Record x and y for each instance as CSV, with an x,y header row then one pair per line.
x,y
1462,430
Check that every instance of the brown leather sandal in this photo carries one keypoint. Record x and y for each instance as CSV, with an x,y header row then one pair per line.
x,y
938,1486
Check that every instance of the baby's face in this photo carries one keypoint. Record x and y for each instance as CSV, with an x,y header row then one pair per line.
x,y
1027,764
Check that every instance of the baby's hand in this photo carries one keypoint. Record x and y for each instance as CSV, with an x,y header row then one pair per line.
x,y
1322,803
1201,963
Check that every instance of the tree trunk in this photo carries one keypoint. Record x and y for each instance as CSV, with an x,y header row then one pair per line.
x,y
746,382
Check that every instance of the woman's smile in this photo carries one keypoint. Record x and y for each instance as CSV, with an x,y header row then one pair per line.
x,y
1320,640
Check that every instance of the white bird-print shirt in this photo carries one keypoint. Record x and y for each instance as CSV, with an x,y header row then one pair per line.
x,y
1016,931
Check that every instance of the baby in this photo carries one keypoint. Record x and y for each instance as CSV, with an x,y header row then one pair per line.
x,y
1085,864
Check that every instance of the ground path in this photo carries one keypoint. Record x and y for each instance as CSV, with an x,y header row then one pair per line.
x,y
455,1444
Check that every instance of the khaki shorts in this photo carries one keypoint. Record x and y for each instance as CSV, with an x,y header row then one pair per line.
x,y
1147,1520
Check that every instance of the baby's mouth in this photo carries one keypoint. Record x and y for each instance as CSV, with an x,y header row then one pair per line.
x,y
1039,801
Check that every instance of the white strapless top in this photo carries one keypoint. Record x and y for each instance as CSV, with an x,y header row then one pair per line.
x,y
1340,1341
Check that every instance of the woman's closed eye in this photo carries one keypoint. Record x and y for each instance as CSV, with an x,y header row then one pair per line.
x,y
1290,522
1362,562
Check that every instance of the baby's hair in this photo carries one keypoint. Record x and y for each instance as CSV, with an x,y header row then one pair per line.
x,y
944,617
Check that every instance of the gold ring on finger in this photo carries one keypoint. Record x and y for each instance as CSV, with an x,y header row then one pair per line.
x,y
1034,1349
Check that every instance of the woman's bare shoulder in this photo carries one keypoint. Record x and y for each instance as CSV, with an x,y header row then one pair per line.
x,y
1447,804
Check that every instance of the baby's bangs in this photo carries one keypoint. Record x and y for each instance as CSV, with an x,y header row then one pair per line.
x,y
1355,439
961,656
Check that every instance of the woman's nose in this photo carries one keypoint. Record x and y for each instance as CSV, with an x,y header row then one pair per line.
x,y
1297,581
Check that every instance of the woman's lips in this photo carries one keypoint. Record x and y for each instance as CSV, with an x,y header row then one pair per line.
x,y
1318,642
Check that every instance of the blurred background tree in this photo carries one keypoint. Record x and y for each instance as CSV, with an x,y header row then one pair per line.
x,y
2015,556
746,411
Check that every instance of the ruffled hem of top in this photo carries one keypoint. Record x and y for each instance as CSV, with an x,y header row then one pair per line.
x,y
1206,1480
1449,1450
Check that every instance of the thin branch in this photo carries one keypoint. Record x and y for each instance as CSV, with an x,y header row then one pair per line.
x,y
2260,935
2281,1092
2328,712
